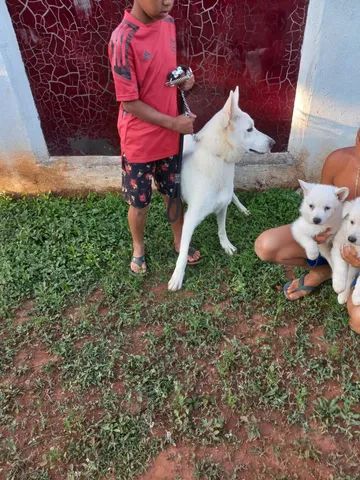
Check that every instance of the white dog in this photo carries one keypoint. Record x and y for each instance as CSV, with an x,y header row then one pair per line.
x,y
207,177
321,209
343,273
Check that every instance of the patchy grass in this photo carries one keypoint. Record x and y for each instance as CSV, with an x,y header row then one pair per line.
x,y
107,376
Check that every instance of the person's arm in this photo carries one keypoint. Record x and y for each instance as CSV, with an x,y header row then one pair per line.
x,y
181,123
329,169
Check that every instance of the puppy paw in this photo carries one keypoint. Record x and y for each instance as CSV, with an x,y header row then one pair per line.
x,y
338,285
229,248
312,253
246,212
176,281
342,297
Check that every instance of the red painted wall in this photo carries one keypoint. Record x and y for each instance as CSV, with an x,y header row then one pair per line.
x,y
251,43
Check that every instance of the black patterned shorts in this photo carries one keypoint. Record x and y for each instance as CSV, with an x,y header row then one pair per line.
x,y
137,178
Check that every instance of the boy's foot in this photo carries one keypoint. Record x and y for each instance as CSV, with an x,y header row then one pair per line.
x,y
307,283
138,265
194,256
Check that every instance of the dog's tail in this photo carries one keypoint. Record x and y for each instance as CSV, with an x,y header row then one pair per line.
x,y
239,205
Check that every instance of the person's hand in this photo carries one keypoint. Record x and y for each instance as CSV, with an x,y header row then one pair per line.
x,y
187,84
350,255
323,236
184,123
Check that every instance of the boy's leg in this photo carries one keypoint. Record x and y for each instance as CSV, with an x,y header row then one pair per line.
x,y
277,245
137,220
136,187
164,176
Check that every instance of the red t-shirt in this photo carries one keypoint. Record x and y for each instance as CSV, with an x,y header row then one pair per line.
x,y
141,57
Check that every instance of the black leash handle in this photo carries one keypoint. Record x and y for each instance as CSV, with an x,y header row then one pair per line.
x,y
174,207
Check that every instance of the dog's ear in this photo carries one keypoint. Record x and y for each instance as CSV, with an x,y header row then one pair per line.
x,y
346,209
236,96
306,187
342,193
228,110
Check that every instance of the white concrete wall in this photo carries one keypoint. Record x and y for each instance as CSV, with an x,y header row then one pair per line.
x,y
20,129
327,105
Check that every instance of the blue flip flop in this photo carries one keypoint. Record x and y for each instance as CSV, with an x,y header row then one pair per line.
x,y
139,261
301,287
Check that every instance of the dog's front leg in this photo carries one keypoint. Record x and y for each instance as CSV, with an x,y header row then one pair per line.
x,y
224,241
350,275
340,270
191,221
309,245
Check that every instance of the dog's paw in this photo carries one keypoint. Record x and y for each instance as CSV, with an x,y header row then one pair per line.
x,y
229,248
338,285
176,281
246,211
342,297
312,253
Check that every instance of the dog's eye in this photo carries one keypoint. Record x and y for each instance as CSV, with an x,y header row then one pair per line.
x,y
352,222
311,206
250,129
326,208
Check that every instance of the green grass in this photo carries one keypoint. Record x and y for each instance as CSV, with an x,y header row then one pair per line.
x,y
101,371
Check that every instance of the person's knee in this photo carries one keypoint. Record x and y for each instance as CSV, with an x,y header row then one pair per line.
x,y
354,320
264,247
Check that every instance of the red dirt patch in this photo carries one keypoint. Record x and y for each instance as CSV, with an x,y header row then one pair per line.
x,y
171,463
287,331
23,313
96,296
35,358
276,459
317,339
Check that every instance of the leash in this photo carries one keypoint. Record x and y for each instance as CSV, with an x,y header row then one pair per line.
x,y
175,78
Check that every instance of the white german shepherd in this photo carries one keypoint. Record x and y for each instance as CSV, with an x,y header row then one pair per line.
x,y
349,234
207,177
321,209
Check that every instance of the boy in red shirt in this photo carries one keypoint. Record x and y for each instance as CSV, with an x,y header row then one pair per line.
x,y
142,52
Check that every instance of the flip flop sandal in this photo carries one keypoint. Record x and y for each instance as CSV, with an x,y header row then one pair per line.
x,y
139,261
191,253
301,287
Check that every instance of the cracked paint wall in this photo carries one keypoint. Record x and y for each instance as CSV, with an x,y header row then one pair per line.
x,y
252,43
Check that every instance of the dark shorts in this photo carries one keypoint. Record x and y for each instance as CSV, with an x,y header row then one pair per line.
x,y
318,262
137,179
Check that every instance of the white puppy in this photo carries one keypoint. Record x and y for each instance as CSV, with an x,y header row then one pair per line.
x,y
207,177
343,273
321,209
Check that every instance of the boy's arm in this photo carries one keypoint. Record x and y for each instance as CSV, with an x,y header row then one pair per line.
x,y
181,123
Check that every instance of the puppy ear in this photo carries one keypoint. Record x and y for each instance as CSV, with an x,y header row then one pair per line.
x,y
342,193
228,110
236,96
306,187
346,209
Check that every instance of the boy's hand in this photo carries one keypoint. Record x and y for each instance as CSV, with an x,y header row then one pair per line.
x,y
187,84
184,123
349,254
323,236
